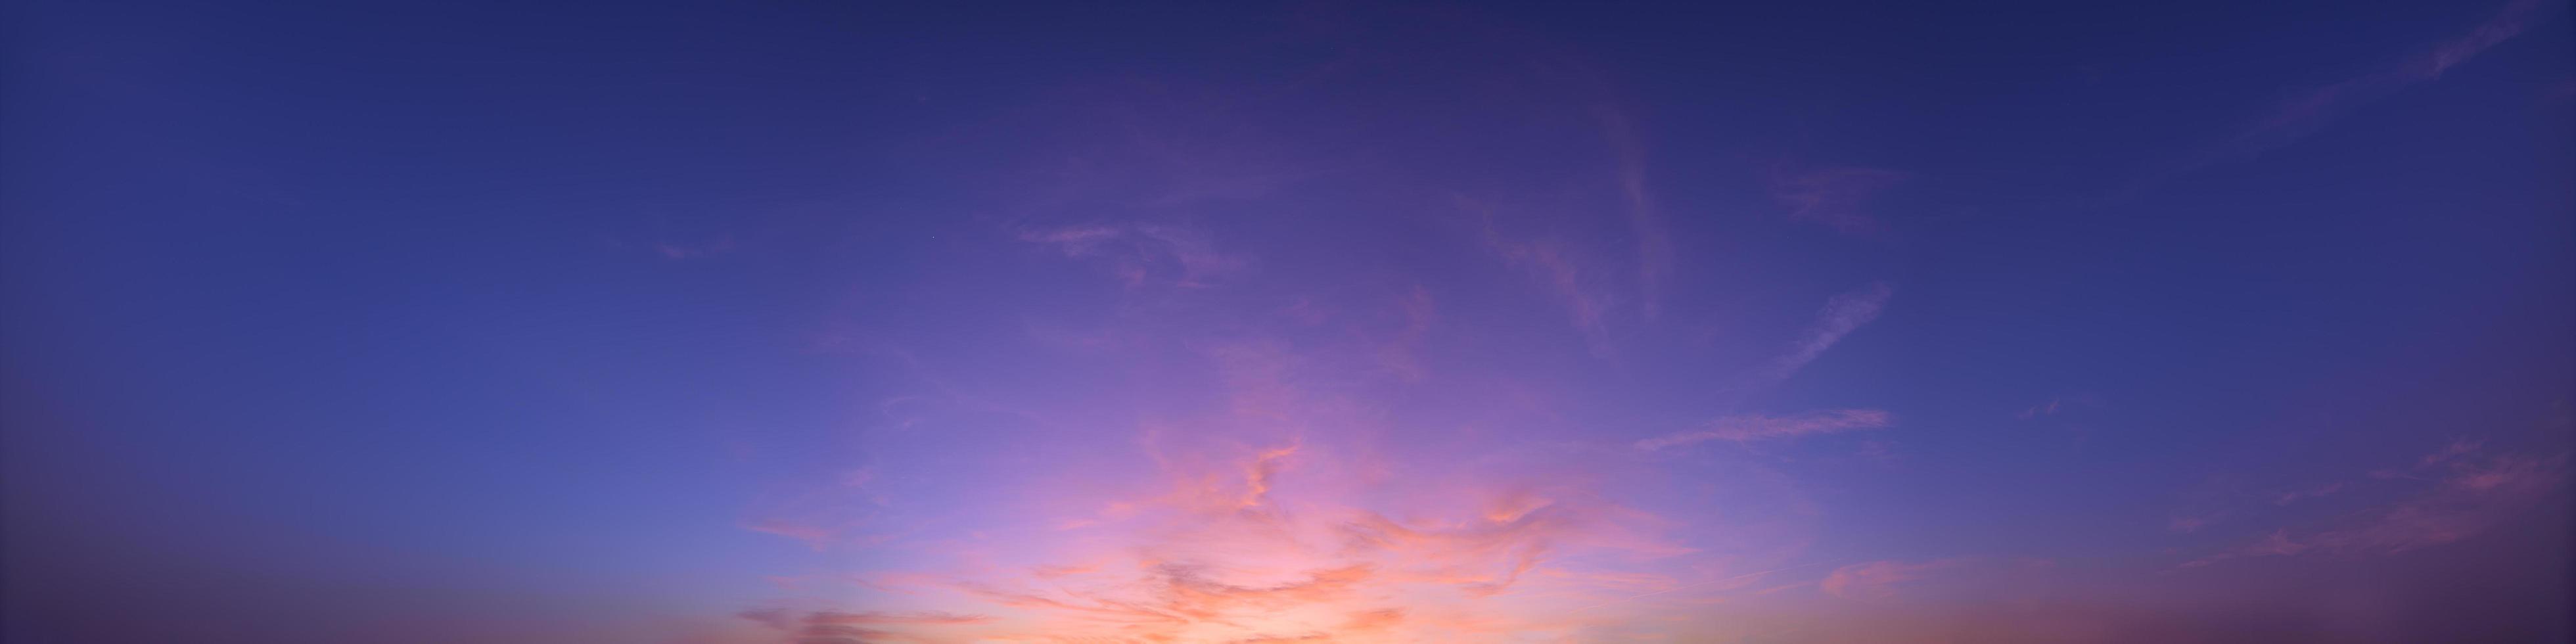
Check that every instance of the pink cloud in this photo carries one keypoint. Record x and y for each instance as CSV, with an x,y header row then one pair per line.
x,y
1275,491
2469,495
1267,542
816,537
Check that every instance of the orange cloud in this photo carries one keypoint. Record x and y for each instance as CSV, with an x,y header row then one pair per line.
x,y
1252,547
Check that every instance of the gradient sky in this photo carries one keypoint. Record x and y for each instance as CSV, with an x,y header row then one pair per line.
x,y
825,322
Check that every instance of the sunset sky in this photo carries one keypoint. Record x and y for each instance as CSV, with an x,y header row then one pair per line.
x,y
836,322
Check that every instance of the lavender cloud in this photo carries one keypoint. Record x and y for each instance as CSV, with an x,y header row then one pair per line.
x,y
1754,427
1841,315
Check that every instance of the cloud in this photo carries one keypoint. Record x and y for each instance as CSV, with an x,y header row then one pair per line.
x,y
1402,356
2192,522
1231,188
2454,450
1841,315
2286,497
1554,267
2308,111
1277,491
1374,620
1654,245
1142,254
2059,404
1753,427
925,617
836,627
774,617
1080,241
1835,196
1257,546
816,537
676,251
1877,579
2469,494
2472,499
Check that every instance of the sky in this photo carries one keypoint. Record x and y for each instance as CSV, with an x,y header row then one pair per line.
x,y
834,322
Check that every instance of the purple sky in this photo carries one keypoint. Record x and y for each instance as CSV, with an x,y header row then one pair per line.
x,y
819,323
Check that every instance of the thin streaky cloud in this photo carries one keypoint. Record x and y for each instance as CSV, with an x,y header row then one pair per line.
x,y
1079,241
2307,112
924,617
1877,578
1842,315
2469,494
1654,245
1834,196
2286,497
837,626
1140,254
1759,427
816,537
1746,577
1558,273
2192,522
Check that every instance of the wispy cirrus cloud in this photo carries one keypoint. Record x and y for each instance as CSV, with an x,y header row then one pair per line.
x,y
2192,522
813,536
675,250
1280,492
1654,245
1402,355
1759,427
1588,282
1141,254
1841,315
2470,492
2294,495
1560,273
1834,196
2057,405
1878,578
782,618
2307,111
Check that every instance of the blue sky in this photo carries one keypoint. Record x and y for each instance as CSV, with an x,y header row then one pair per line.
x,y
1800,322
